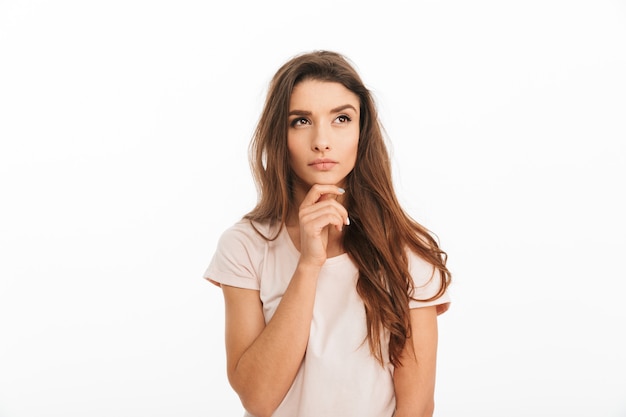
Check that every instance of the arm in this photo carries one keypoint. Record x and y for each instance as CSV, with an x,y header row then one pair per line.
x,y
263,360
414,381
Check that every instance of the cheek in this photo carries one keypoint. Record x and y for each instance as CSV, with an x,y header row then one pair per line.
x,y
294,143
295,154
291,148
354,144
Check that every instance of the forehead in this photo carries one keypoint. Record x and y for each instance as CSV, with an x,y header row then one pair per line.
x,y
318,95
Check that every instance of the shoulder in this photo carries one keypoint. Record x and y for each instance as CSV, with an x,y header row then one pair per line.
x,y
247,241
420,269
427,283
246,234
240,253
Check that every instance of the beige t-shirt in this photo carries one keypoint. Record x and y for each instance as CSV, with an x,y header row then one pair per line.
x,y
338,375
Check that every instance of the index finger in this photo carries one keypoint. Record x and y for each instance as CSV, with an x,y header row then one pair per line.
x,y
317,191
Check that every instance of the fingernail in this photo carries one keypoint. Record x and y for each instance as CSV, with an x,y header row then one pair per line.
x,y
341,190
347,221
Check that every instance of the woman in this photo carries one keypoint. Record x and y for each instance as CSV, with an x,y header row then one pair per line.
x,y
331,290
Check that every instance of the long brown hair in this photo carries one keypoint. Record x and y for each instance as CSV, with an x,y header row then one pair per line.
x,y
380,231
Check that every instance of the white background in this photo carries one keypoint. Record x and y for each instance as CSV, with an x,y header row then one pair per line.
x,y
124,128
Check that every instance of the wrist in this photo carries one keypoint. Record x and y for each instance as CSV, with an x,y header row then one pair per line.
x,y
309,268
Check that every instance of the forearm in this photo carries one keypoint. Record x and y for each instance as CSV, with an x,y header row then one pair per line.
x,y
265,371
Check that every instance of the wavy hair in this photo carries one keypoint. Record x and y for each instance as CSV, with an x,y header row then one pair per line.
x,y
380,231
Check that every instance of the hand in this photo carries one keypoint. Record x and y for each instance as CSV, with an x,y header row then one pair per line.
x,y
319,211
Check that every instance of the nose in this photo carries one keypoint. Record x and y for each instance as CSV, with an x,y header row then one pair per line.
x,y
321,139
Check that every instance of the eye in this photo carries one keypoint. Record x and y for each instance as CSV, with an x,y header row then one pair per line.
x,y
299,121
343,119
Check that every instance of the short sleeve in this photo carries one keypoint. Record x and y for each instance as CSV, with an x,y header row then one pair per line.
x,y
236,259
426,279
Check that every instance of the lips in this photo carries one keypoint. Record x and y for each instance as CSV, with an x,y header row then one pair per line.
x,y
323,164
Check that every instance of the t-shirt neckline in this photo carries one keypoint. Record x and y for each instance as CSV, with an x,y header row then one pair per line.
x,y
284,234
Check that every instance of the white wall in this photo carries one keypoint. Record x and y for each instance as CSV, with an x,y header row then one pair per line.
x,y
124,128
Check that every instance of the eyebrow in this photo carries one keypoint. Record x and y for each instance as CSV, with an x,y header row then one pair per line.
x,y
335,110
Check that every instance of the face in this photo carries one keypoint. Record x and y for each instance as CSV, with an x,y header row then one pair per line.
x,y
323,133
